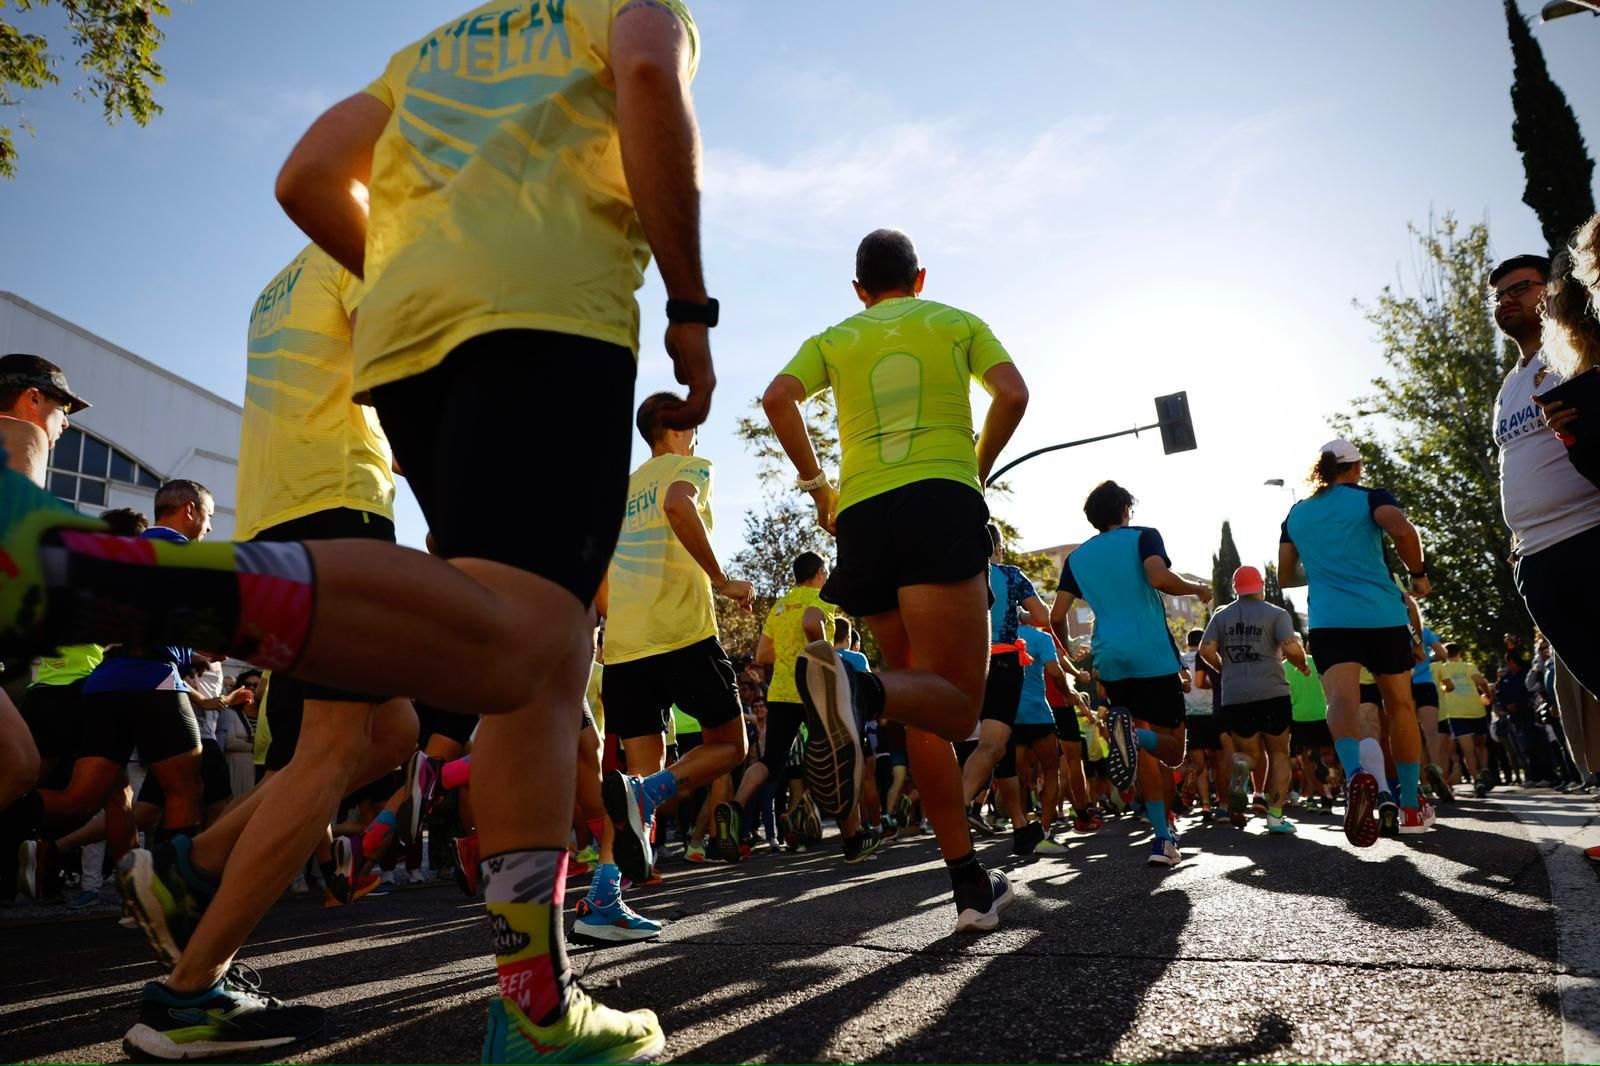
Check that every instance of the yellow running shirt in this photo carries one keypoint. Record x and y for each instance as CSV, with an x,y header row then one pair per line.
x,y
305,446
70,663
785,626
497,194
901,374
1464,702
660,599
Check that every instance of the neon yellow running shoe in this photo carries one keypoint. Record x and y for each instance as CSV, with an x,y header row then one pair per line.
x,y
588,1032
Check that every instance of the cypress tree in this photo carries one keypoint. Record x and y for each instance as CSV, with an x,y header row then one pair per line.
x,y
1559,170
1223,564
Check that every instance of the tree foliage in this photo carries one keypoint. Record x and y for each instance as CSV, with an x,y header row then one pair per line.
x,y
1223,564
117,42
1274,593
1554,157
1425,431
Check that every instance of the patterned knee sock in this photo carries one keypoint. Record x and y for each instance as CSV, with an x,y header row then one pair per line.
x,y
524,891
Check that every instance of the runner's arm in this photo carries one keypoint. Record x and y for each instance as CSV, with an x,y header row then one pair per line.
x,y
766,651
1038,617
1163,579
1407,543
812,622
1008,400
684,517
1289,572
781,402
1208,652
1058,616
1053,670
1295,652
323,184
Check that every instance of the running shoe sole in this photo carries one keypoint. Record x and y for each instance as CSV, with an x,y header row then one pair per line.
x,y
1360,827
833,746
1124,754
727,834
28,869
973,920
145,1044
631,845
611,934
136,876
408,819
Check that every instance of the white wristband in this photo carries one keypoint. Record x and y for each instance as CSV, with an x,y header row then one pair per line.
x,y
812,484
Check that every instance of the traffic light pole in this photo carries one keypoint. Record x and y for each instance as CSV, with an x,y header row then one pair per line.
x,y
1135,431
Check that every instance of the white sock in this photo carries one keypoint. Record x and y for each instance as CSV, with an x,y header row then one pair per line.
x,y
1372,762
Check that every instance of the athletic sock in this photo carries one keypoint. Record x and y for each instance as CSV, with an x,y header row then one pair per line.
x,y
869,694
1276,812
606,888
455,773
202,881
1349,752
596,827
1372,761
167,836
378,834
1410,775
658,788
1147,739
524,892
1157,809
252,600
970,883
330,870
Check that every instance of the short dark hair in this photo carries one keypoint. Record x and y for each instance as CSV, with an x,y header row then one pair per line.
x,y
807,565
886,260
178,493
125,521
1530,261
246,674
1452,648
995,537
1195,636
1105,504
841,630
649,417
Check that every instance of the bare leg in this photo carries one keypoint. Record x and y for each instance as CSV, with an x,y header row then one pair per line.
x,y
993,736
19,758
179,778
1279,768
1047,755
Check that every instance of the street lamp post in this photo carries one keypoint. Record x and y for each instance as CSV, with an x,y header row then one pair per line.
x,y
1279,483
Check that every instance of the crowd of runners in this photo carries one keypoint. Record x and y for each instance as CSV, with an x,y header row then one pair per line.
x,y
479,218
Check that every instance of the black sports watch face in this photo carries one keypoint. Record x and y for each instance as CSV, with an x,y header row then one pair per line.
x,y
686,311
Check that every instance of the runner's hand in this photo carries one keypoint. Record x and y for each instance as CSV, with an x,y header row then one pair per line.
x,y
739,592
689,345
239,696
1420,587
827,501
1560,416
1203,592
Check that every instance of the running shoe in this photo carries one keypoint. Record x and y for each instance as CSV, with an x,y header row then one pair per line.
x,y
974,920
467,864
626,804
1091,824
614,923
694,852
1388,815
810,819
887,829
1050,846
588,1032
588,856
1592,854
1429,813
726,819
160,899
1239,787
855,848
902,810
1360,806
38,869
832,759
980,824
422,789
873,841
1123,759
346,861
228,1018
1024,840
1437,784
86,898
1412,821
1279,824
1164,852
27,513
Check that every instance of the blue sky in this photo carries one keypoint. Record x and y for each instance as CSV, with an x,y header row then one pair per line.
x,y
1138,198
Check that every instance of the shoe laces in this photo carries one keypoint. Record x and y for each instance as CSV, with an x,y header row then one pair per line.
x,y
244,981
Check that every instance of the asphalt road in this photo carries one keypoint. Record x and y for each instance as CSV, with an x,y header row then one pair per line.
x,y
1442,948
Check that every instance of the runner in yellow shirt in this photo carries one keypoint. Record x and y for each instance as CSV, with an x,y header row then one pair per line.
x,y
661,641
913,540
1461,691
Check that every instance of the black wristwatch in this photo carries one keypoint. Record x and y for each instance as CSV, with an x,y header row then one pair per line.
x,y
1415,574
692,313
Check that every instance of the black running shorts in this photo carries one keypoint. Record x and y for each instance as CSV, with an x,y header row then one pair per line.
x,y
1424,695
1383,651
1469,727
285,705
1310,736
1205,732
159,725
639,694
1269,716
1157,700
333,523
1002,690
461,429
933,532
431,722
52,714
216,784
1067,726
1372,694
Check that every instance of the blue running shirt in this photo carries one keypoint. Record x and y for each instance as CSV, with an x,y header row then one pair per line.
x,y
1034,709
1131,638
1010,587
1341,546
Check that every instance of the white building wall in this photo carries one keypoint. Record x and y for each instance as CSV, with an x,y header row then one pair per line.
x,y
167,424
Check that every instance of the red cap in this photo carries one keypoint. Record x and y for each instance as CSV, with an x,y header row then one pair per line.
x,y
1247,581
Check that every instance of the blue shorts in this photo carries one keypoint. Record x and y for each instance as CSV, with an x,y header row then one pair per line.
x,y
1469,727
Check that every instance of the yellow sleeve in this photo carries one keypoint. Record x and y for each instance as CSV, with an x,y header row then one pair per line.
x,y
680,11
809,368
984,352
351,289
766,627
383,88
695,471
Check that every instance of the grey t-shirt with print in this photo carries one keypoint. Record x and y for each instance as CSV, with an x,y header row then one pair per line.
x,y
1250,635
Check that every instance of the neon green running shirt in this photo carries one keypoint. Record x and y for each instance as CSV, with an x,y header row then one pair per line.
x,y
901,373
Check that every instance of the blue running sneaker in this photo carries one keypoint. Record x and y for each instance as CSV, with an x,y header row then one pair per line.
x,y
229,1017
613,923
1123,757
588,1032
1164,852
632,814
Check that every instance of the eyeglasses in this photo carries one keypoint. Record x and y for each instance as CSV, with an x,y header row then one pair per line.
x,y
1513,292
